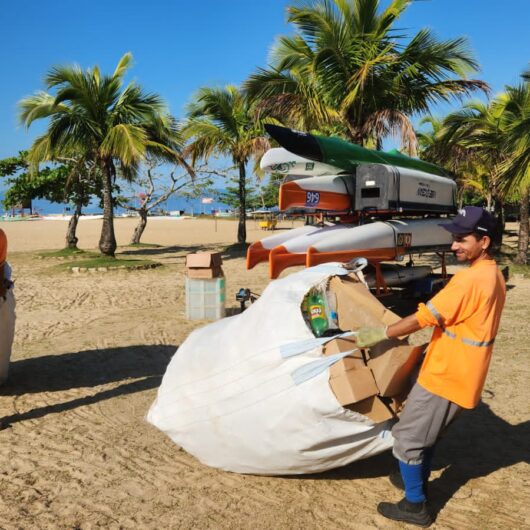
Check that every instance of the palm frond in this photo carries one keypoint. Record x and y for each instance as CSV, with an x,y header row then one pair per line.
x,y
347,62
123,65
40,151
125,142
40,105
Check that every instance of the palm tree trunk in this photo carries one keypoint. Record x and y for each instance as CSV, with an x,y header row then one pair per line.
x,y
242,227
354,135
71,238
498,210
140,227
522,250
107,241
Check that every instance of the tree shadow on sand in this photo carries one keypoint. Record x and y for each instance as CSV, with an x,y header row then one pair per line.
x,y
85,369
155,251
476,445
229,252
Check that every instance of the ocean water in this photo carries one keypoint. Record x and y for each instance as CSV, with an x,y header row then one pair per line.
x,y
188,206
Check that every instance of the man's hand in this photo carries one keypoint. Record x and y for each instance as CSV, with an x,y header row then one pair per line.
x,y
367,337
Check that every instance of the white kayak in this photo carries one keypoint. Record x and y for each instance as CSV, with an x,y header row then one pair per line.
x,y
382,240
279,160
293,251
395,275
259,251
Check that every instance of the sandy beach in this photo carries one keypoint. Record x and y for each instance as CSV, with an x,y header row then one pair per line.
x,y
89,354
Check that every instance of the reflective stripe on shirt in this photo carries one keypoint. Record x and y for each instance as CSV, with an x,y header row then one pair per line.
x,y
435,313
470,342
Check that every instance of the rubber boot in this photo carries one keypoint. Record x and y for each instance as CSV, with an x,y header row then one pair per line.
x,y
413,508
397,480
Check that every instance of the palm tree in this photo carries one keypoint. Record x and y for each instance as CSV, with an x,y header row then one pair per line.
x,y
468,143
221,122
488,145
114,127
349,68
515,169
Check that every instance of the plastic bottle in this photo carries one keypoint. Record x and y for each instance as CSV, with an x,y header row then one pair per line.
x,y
331,310
316,308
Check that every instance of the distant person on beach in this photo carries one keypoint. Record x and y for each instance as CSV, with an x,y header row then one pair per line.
x,y
465,315
7,310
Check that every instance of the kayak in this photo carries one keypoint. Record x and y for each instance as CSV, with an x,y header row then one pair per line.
x,y
381,240
342,154
279,160
394,275
293,251
259,251
329,192
375,188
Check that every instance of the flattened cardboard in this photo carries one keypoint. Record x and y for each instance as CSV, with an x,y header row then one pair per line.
x,y
392,369
204,260
374,408
206,273
351,362
353,386
357,307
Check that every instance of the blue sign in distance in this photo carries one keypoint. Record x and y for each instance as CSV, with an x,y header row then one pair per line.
x,y
312,198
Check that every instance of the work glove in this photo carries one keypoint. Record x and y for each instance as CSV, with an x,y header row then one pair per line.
x,y
367,336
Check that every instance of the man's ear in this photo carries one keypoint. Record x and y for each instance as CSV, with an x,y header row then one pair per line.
x,y
486,244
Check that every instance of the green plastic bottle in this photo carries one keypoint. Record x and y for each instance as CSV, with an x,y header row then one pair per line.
x,y
316,308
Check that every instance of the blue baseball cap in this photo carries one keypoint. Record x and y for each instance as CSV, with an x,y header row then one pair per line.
x,y
472,219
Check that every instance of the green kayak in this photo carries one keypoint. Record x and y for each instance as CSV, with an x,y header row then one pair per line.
x,y
342,154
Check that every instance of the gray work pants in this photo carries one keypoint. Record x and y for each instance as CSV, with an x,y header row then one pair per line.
x,y
424,418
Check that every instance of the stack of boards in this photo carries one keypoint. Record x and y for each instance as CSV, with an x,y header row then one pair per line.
x,y
350,182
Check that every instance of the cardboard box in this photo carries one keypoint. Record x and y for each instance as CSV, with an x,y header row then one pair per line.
x,y
351,362
208,273
357,306
353,385
204,260
393,368
374,408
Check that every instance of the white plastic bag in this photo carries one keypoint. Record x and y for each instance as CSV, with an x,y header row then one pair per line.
x,y
231,399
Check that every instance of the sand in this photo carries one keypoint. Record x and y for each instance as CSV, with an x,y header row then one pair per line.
x,y
89,354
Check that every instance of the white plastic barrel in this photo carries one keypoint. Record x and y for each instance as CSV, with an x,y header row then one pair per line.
x,y
205,298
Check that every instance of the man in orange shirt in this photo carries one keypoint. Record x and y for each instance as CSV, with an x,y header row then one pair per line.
x,y
465,316
7,310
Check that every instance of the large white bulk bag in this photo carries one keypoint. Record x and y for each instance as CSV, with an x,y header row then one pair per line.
x,y
233,397
7,324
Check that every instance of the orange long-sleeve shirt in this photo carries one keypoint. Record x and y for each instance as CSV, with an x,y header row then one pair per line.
x,y
466,315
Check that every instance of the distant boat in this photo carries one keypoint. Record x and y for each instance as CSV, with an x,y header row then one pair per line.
x,y
128,213
67,217
10,218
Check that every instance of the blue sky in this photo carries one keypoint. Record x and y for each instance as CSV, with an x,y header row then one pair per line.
x,y
180,45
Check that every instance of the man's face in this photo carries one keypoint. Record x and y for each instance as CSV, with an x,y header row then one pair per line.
x,y
468,247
